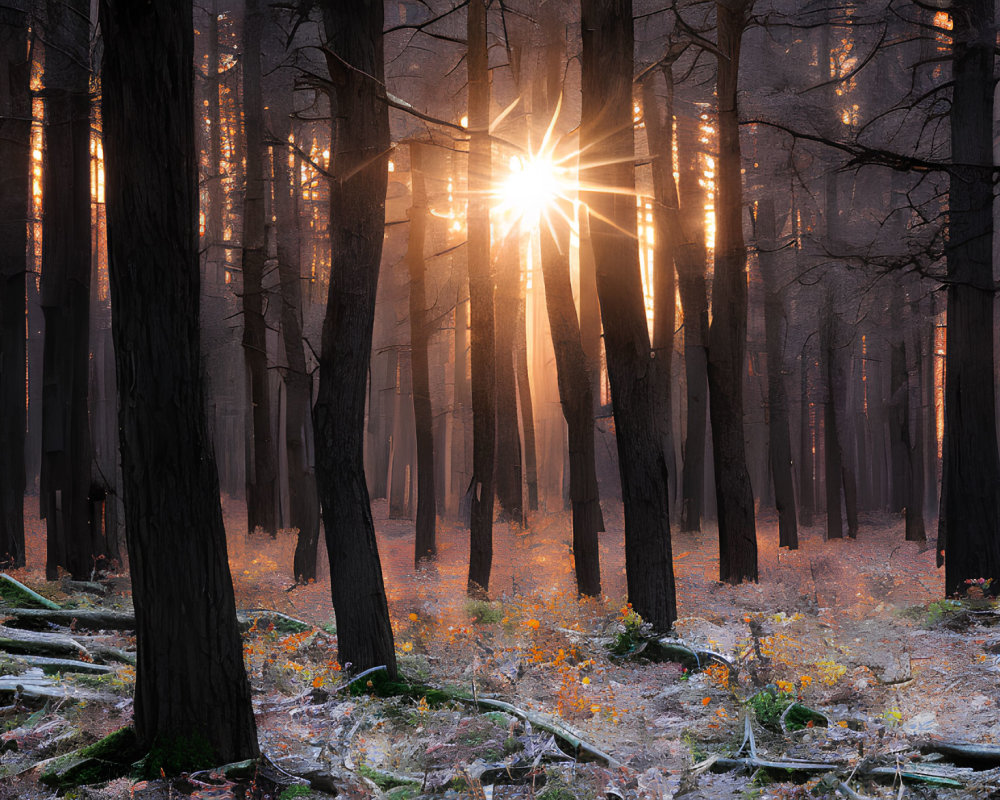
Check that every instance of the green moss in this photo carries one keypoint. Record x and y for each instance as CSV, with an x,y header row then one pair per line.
x,y
483,612
295,790
384,781
799,717
380,685
171,756
556,788
13,595
105,759
768,705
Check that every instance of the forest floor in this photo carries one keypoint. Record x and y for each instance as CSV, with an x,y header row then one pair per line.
x,y
854,630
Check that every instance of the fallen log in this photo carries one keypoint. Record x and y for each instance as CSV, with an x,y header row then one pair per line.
x,y
51,666
39,687
91,619
557,729
21,642
968,753
787,765
88,587
17,592
105,653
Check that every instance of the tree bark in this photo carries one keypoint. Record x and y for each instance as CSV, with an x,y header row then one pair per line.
x,y
971,483
15,155
65,288
807,460
357,222
691,258
262,494
775,327
914,429
182,590
303,501
509,475
524,396
420,333
667,234
606,138
481,282
727,335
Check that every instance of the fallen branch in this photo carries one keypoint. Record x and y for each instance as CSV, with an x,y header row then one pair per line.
x,y
246,619
729,764
556,729
51,666
11,586
963,751
20,642
91,619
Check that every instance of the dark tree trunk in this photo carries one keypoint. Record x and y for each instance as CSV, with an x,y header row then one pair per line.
x,y
303,501
262,472
914,430
727,336
775,328
481,309
192,693
15,155
833,455
899,405
606,138
807,460
526,405
577,402
667,233
509,478
357,222
691,258
590,311
971,481
420,333
65,288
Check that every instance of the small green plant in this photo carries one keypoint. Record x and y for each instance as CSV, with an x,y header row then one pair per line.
x,y
698,753
940,609
483,612
383,780
295,790
631,634
769,704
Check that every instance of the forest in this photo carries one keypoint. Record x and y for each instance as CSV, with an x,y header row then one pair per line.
x,y
499,399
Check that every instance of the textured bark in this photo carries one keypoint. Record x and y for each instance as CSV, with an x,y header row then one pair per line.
x,y
775,328
303,501
606,138
914,429
807,479
481,309
577,403
65,289
666,235
262,471
425,544
15,155
191,686
357,223
509,476
590,310
970,515
526,405
898,411
691,259
727,335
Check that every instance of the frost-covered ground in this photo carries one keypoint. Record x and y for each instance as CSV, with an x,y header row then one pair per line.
x,y
852,629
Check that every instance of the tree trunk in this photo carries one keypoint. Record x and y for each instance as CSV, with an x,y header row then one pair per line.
x,y
262,494
183,593
357,224
833,456
15,155
524,396
775,329
481,306
606,138
899,404
65,288
667,233
303,501
420,333
509,479
691,257
914,430
727,335
576,399
971,481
